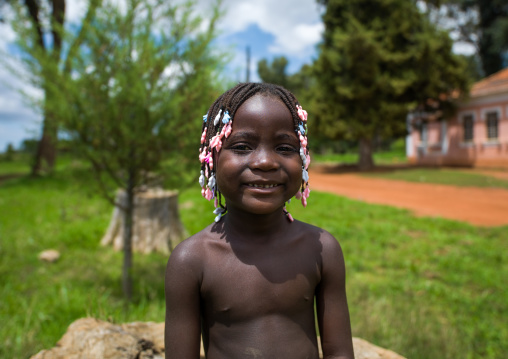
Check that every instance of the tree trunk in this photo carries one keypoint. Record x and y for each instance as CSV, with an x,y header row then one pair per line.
x,y
128,211
366,161
46,150
156,223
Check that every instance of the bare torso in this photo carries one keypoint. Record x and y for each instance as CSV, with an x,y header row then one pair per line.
x,y
258,298
252,296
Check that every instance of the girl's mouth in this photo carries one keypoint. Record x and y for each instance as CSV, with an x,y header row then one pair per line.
x,y
262,185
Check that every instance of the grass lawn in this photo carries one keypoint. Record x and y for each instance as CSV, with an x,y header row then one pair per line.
x,y
396,155
19,165
380,158
454,177
425,288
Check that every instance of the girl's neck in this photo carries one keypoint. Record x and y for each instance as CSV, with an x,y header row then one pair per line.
x,y
255,227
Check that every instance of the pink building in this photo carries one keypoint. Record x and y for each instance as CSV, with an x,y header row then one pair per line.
x,y
476,136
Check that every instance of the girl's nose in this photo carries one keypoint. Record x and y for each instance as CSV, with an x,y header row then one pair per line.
x,y
264,160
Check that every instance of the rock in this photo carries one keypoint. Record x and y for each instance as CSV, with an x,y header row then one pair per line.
x,y
93,338
365,350
49,255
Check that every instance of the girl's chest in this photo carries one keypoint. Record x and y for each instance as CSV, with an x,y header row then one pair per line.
x,y
261,286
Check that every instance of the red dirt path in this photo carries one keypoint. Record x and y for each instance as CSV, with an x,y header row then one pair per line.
x,y
478,206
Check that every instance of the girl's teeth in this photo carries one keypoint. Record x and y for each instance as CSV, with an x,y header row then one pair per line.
x,y
263,186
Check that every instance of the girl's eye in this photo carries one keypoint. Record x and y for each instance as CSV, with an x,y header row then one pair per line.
x,y
240,148
286,149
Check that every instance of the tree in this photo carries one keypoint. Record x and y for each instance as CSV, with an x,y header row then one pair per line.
x,y
481,23
140,78
299,83
274,72
379,60
39,26
493,34
9,152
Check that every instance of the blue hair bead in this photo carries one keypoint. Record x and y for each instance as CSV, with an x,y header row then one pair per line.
x,y
226,118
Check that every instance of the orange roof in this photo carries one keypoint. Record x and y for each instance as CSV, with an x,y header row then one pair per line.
x,y
495,83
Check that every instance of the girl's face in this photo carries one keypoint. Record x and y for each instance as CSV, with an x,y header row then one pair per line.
x,y
259,167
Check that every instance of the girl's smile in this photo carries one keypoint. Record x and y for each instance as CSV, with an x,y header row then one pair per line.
x,y
259,167
261,185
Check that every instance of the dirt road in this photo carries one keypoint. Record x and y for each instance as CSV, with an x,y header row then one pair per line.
x,y
478,206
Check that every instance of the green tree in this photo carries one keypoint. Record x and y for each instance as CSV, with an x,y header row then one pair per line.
x,y
493,34
274,72
9,152
481,23
379,60
140,79
484,24
300,83
39,25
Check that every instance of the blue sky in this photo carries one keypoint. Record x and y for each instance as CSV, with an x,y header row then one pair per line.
x,y
269,27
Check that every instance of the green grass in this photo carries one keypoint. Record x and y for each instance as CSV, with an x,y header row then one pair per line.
x,y
380,158
453,177
39,300
423,287
20,164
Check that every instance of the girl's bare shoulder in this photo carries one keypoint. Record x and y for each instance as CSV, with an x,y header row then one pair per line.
x,y
309,229
327,242
194,249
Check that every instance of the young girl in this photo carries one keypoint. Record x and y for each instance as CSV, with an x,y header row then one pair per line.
x,y
247,282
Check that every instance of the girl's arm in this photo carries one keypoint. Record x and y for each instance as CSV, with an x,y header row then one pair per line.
x,y
331,303
182,329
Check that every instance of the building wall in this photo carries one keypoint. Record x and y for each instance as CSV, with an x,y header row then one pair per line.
x,y
445,143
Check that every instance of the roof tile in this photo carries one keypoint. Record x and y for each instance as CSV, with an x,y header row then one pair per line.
x,y
493,84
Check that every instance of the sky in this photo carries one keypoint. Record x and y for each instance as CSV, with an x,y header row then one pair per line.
x,y
270,28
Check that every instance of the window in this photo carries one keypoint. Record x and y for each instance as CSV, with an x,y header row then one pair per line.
x,y
423,132
467,124
492,126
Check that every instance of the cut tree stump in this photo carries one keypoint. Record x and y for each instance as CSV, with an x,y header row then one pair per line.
x,y
156,223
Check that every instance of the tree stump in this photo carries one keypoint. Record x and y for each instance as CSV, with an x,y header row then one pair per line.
x,y
156,223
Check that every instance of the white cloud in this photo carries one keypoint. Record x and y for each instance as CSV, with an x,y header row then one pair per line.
x,y
299,40
75,10
295,24
7,34
463,48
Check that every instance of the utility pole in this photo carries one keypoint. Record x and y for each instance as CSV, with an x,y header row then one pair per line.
x,y
247,72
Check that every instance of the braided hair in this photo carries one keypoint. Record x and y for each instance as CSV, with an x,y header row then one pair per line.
x,y
217,126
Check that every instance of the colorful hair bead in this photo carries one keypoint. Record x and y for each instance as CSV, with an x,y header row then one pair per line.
x,y
217,118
